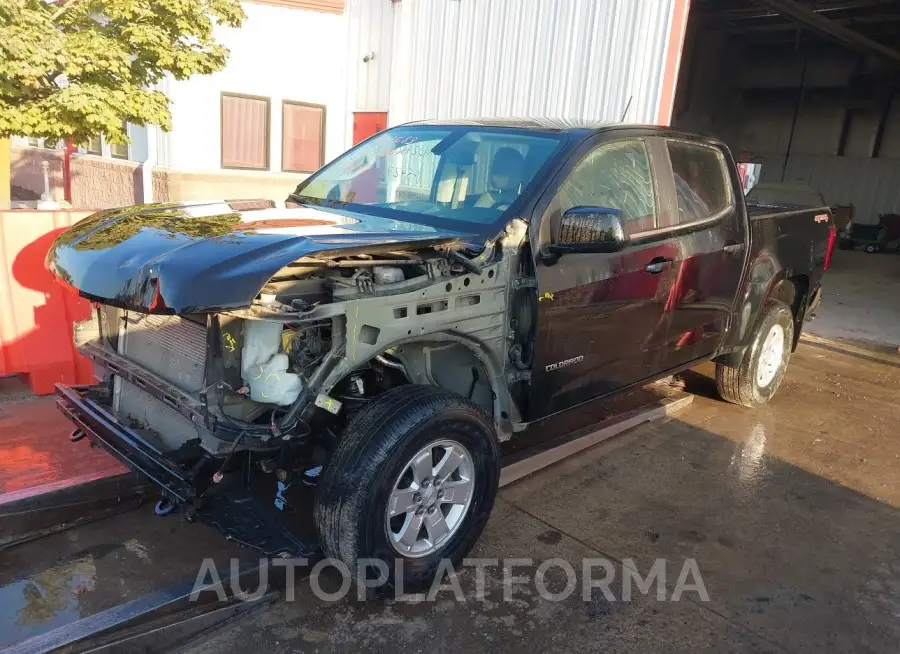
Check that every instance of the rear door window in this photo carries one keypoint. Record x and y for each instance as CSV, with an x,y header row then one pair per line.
x,y
702,187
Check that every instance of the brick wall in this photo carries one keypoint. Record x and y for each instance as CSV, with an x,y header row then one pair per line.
x,y
99,183
26,176
228,184
161,191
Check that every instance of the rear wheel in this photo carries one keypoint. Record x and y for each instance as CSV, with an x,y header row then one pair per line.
x,y
754,381
871,248
413,478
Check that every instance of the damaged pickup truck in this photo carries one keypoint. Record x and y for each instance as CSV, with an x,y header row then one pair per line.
x,y
425,296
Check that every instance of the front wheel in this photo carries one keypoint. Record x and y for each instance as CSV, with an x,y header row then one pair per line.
x,y
414,478
754,381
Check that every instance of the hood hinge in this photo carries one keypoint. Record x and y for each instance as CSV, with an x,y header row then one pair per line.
x,y
524,282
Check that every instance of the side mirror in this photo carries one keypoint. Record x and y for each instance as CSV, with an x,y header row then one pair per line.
x,y
589,229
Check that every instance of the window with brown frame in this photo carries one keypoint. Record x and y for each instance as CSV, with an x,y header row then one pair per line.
x,y
302,137
245,132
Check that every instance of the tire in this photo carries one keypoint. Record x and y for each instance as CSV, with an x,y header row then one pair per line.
x,y
871,249
752,383
373,457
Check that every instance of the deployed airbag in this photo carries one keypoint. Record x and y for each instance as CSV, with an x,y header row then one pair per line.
x,y
264,367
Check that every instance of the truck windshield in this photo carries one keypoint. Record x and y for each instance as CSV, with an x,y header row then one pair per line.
x,y
462,178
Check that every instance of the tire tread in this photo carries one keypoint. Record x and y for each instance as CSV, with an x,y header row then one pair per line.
x,y
343,489
736,384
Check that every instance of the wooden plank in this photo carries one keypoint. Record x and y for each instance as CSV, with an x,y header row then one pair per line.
x,y
325,6
529,461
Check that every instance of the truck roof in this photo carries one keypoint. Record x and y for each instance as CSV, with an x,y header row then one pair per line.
x,y
544,124
573,126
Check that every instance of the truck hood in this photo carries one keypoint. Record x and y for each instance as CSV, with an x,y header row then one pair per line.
x,y
207,256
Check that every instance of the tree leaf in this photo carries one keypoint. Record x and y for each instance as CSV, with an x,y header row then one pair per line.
x,y
112,54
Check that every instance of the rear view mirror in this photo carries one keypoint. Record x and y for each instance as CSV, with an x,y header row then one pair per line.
x,y
589,229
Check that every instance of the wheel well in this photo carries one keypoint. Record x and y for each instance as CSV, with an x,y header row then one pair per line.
x,y
793,292
448,365
451,366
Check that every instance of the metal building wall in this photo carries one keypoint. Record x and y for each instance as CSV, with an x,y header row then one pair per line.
x,y
579,59
765,127
371,26
870,185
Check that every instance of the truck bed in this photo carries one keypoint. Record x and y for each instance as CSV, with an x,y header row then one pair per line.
x,y
787,243
762,211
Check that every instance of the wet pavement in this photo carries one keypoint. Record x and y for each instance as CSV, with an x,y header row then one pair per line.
x,y
61,578
792,513
35,454
77,573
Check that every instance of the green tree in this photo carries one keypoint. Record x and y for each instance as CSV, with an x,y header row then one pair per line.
x,y
78,68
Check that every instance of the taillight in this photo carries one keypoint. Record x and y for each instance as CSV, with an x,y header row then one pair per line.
x,y
832,237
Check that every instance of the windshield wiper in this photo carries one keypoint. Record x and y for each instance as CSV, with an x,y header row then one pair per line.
x,y
301,199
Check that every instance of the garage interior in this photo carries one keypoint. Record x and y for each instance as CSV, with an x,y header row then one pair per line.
x,y
809,91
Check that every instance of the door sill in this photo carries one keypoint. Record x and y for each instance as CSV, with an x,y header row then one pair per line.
x,y
518,427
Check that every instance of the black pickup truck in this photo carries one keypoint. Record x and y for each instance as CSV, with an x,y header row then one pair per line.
x,y
430,293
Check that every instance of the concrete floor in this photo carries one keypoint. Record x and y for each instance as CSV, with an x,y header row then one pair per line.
x,y
792,513
862,299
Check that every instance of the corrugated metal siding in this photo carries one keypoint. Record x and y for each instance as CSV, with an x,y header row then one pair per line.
x,y
371,28
870,185
577,59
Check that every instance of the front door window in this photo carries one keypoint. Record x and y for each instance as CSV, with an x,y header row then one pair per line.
x,y
616,175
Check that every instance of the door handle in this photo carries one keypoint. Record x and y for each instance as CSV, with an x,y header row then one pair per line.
x,y
657,265
731,248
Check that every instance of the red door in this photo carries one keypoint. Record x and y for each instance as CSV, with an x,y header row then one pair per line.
x,y
367,123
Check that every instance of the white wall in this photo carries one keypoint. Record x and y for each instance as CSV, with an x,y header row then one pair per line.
x,y
280,53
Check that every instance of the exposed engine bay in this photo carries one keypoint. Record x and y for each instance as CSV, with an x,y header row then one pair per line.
x,y
322,338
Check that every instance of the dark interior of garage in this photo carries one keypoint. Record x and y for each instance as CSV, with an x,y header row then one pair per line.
x,y
807,90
